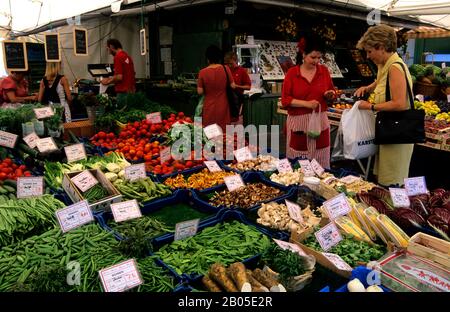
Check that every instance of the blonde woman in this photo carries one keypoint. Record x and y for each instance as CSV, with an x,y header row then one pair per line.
x,y
380,43
54,88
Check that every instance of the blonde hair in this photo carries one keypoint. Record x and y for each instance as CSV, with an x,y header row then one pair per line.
x,y
379,36
52,69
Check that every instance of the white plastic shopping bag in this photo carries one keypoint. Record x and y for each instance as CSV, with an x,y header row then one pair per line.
x,y
314,125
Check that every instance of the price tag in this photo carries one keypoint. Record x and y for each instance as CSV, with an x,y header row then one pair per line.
x,y
74,216
186,229
305,167
31,139
420,97
318,169
154,118
399,197
46,145
84,180
415,186
43,112
135,172
212,165
283,165
75,152
337,206
243,154
328,236
234,182
337,261
448,98
121,277
8,139
289,246
295,212
30,186
349,179
126,210
213,131
165,155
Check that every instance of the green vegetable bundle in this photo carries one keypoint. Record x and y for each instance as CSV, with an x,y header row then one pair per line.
x,y
142,190
151,227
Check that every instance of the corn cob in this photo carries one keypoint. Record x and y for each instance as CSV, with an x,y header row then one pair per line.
x,y
395,232
349,227
359,212
371,215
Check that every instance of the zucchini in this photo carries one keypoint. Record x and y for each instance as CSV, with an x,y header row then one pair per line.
x,y
3,190
8,188
12,196
26,149
11,183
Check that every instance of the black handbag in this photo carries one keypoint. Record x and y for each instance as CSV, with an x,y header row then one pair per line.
x,y
400,127
233,98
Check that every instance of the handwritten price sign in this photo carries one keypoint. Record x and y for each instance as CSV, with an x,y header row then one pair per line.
x,y
243,154
305,167
295,212
31,139
84,181
186,229
75,152
165,155
126,210
289,246
213,131
46,145
74,216
30,186
416,186
8,139
328,236
135,172
44,112
318,169
121,277
212,166
337,261
337,206
399,197
234,182
283,165
154,118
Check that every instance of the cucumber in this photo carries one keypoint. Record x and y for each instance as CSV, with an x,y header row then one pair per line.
x,y
3,190
10,189
11,183
25,148
12,196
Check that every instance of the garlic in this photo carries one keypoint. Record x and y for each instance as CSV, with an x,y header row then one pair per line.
x,y
355,285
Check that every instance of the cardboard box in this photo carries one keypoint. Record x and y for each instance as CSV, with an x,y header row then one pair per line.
x,y
84,128
76,196
433,248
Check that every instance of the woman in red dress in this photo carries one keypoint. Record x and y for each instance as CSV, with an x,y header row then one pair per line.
x,y
14,89
212,83
306,88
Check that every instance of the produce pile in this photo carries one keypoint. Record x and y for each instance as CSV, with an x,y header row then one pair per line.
x,y
95,193
261,163
143,190
200,180
9,169
287,178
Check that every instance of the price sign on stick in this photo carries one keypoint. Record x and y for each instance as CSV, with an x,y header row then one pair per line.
x,y
74,216
349,179
295,212
399,197
31,139
126,210
283,165
154,118
213,131
84,180
186,229
44,112
75,152
318,169
212,165
234,182
337,261
289,246
135,172
243,154
416,186
337,206
30,186
8,139
305,167
121,277
328,236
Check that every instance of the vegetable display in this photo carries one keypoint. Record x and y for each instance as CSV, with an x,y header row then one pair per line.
x,y
95,193
261,163
143,190
11,170
287,178
200,180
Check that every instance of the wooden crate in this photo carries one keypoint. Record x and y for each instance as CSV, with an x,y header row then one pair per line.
x,y
83,128
427,246
326,191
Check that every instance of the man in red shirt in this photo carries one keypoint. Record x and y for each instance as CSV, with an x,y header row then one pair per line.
x,y
124,74
241,79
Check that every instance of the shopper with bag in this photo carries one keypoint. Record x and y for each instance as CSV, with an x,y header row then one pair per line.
x,y
306,88
398,124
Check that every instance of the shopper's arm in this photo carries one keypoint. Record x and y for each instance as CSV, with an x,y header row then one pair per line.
x,y
65,85
367,89
41,91
19,99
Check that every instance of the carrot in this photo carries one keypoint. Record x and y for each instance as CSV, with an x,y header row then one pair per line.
x,y
219,274
237,272
210,284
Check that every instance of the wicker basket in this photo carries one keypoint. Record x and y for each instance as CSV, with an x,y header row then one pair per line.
x,y
426,89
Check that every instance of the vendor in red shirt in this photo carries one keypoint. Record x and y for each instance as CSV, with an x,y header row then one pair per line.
x,y
14,89
124,74
241,79
306,88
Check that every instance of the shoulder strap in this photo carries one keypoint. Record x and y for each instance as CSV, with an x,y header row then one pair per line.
x,y
226,74
408,87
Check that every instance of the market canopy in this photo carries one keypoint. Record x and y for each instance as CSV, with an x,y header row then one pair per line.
x,y
427,32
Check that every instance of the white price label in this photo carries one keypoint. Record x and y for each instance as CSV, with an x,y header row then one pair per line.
x,y
126,210
234,182
186,229
74,216
318,169
328,236
84,180
43,112
75,152
289,246
135,172
349,179
337,206
30,186
165,155
8,139
420,97
415,186
305,167
243,154
448,98
399,197
212,165
337,261
46,145
283,165
154,118
31,139
213,131
121,277
295,212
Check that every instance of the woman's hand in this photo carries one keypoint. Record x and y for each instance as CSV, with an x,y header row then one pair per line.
x,y
365,105
361,91
312,104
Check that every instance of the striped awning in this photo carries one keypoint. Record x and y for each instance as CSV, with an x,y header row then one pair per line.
x,y
427,32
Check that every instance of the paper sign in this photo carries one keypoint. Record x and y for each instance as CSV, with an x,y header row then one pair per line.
x,y
74,216
135,172
126,210
75,152
448,98
337,206
283,165
186,229
416,186
295,212
305,167
154,118
165,155
30,186
328,236
337,261
234,182
399,197
212,165
213,131
84,180
420,97
8,139
121,277
318,169
289,246
349,179
243,154
43,112
46,145
31,139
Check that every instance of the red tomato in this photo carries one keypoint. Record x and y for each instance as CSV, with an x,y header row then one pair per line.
x,y
27,173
